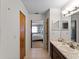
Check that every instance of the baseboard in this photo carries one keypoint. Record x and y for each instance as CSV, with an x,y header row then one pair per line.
x,y
37,40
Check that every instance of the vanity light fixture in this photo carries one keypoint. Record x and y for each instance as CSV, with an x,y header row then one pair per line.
x,y
71,8
69,12
75,9
64,12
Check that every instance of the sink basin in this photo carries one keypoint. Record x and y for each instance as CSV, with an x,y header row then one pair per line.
x,y
71,46
67,49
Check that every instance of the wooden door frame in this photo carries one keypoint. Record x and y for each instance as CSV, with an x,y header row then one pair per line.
x,y
31,33
46,33
24,33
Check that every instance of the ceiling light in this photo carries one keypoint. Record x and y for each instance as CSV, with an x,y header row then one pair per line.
x,y
64,12
70,8
75,3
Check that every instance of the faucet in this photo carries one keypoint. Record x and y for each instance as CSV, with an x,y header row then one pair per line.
x,y
61,40
71,45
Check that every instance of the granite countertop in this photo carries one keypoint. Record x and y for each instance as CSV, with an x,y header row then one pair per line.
x,y
68,52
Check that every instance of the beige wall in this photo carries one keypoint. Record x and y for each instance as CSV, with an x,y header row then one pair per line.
x,y
9,29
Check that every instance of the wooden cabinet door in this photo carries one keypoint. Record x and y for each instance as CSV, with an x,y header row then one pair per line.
x,y
56,56
51,50
54,53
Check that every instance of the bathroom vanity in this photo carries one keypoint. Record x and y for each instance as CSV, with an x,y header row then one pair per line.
x,y
60,50
55,53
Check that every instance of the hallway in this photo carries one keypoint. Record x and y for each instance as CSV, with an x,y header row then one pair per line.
x,y
39,53
51,20
37,44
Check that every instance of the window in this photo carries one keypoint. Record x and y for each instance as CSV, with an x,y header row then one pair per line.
x,y
34,29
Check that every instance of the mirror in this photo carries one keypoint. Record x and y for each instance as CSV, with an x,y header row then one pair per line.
x,y
70,27
65,25
75,27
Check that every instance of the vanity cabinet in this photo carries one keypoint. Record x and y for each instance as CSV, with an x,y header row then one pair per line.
x,y
54,53
51,50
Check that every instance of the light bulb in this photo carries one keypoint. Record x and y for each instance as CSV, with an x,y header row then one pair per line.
x,y
64,12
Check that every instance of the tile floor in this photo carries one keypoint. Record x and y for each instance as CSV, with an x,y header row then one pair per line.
x,y
39,53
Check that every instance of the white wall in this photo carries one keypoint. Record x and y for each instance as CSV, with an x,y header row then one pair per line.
x,y
55,15
0,8
56,20
66,33
9,29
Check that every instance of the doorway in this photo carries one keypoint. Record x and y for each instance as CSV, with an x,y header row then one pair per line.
x,y
37,29
39,52
22,35
40,34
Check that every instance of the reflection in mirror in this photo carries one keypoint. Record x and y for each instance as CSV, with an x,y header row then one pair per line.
x,y
65,25
74,27
73,30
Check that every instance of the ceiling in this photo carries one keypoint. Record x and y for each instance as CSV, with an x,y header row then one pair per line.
x,y
41,6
